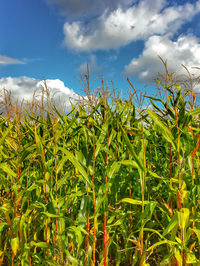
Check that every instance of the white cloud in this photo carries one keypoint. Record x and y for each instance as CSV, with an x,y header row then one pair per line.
x,y
93,68
4,60
22,88
184,51
121,26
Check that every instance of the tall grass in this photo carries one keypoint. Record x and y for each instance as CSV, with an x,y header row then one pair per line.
x,y
108,185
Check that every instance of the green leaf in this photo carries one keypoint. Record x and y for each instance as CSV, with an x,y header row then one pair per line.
x,y
2,226
171,225
148,211
164,130
195,112
23,218
134,202
51,215
40,244
166,260
32,187
69,156
162,178
5,134
197,232
113,169
130,147
155,175
130,163
71,259
7,169
40,148
100,141
157,244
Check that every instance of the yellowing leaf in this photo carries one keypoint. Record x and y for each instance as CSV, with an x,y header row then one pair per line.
x,y
197,232
178,256
40,244
183,217
191,258
134,202
15,245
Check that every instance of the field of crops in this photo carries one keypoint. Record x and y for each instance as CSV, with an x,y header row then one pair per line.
x,y
109,184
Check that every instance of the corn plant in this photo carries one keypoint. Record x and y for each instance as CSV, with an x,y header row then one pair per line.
x,y
107,184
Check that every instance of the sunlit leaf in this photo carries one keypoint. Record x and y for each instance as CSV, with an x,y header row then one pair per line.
x,y
164,130
69,156
171,225
134,202
15,245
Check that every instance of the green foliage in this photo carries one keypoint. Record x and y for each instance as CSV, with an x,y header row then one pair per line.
x,y
107,184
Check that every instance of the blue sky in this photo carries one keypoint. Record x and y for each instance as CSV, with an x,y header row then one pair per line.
x,y
54,39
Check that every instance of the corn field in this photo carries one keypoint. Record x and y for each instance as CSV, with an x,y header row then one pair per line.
x,y
108,184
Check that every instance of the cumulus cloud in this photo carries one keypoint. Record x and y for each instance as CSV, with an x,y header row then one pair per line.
x,y
5,60
87,8
22,88
93,68
184,51
121,26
